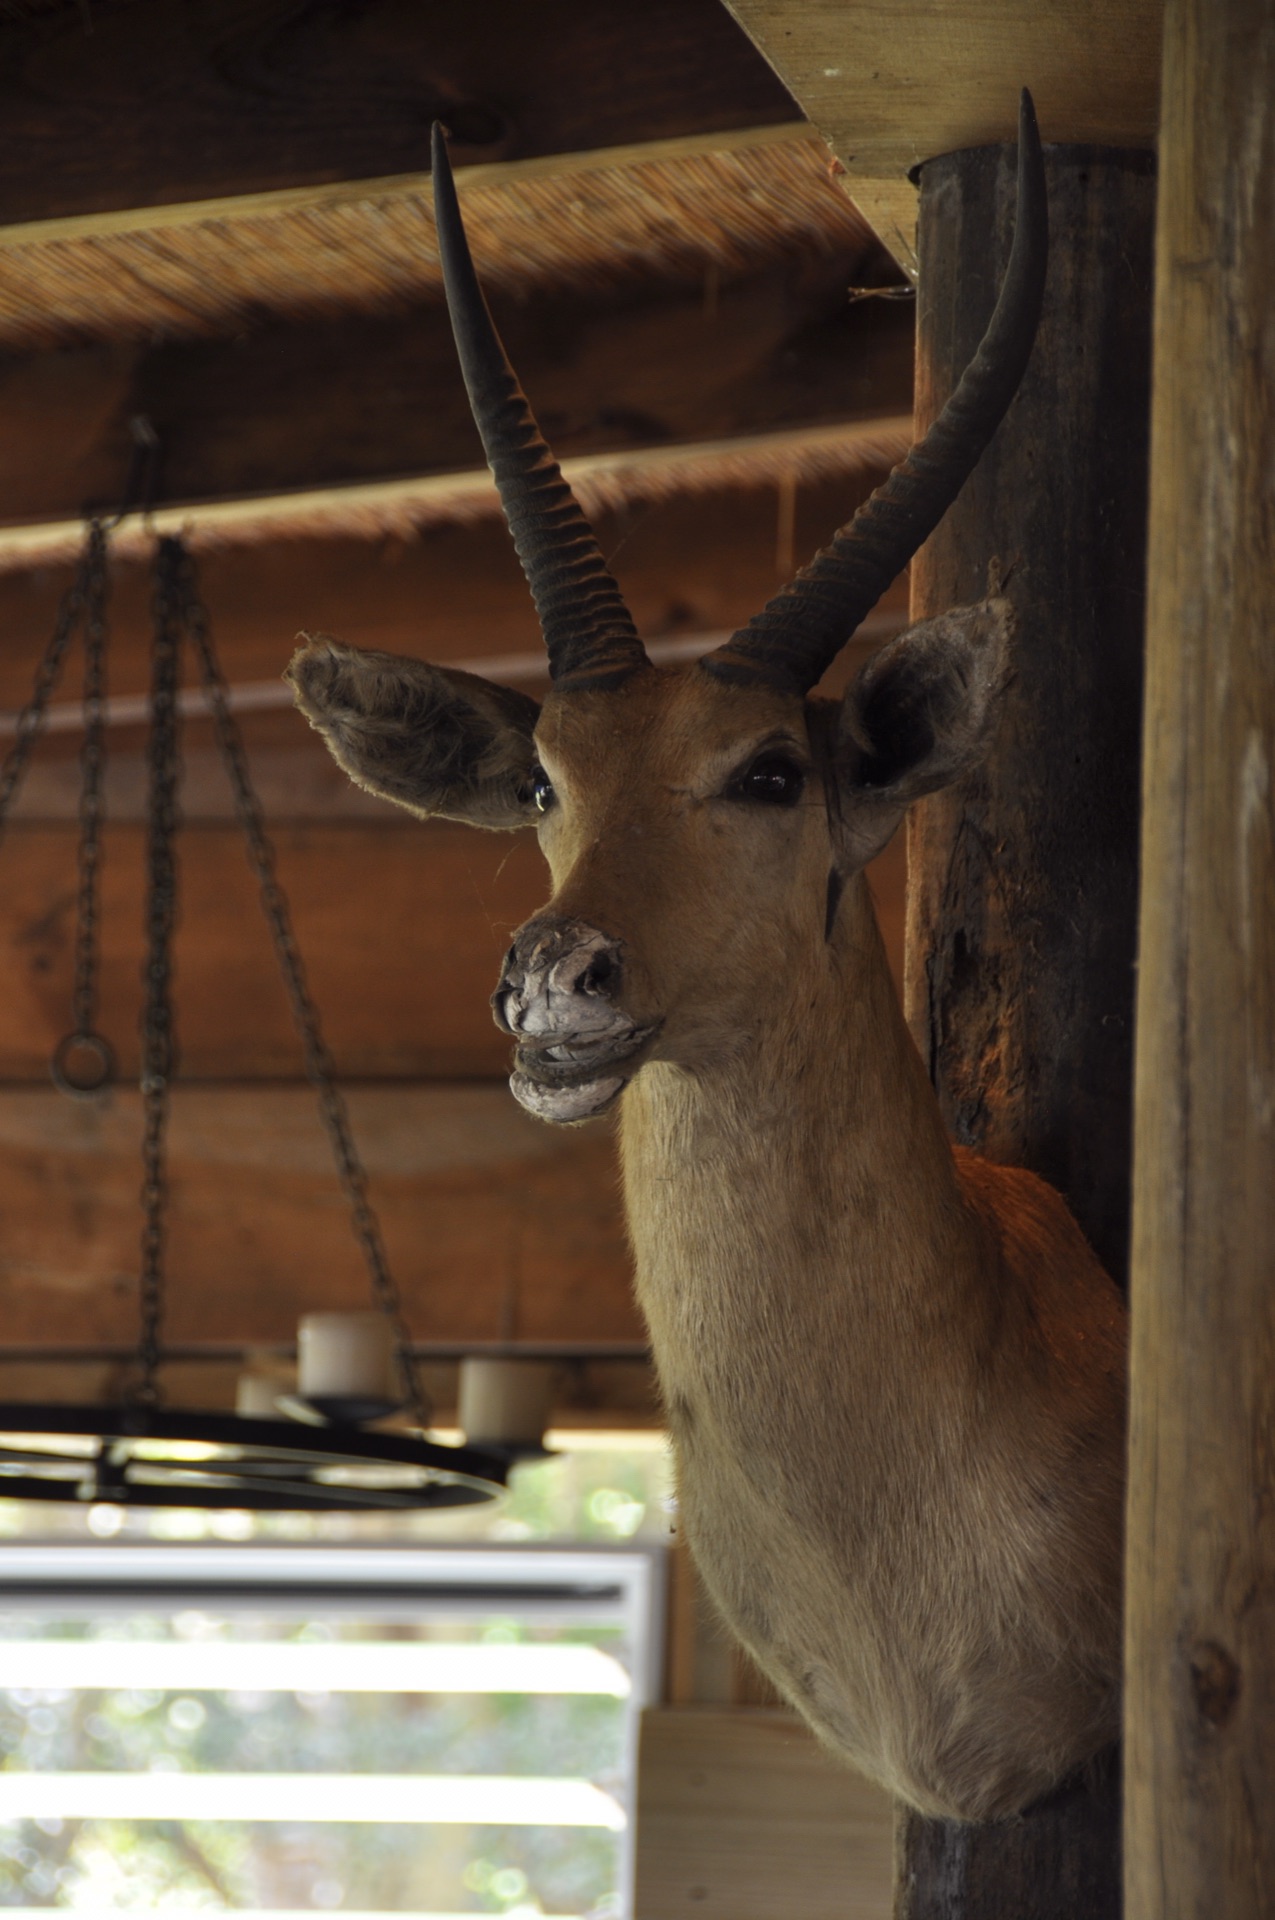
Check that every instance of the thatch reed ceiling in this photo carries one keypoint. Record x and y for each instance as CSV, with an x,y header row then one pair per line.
x,y
600,225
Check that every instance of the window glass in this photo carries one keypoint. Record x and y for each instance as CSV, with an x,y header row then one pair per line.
x,y
270,1721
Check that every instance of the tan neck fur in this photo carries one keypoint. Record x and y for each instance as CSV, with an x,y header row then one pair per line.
x,y
807,1173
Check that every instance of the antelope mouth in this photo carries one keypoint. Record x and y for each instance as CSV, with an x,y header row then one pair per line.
x,y
567,1080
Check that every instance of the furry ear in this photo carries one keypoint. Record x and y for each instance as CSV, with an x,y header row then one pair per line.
x,y
429,738
919,715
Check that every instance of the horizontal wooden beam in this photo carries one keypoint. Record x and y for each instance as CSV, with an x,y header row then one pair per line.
x,y
633,478
402,929
592,1396
157,104
700,562
402,925
375,398
494,1224
126,712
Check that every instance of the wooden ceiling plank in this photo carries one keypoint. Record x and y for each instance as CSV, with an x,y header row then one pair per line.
x,y
295,777
402,928
369,399
163,104
615,1395
494,1224
702,562
631,478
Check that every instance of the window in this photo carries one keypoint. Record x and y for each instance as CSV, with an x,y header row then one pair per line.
x,y
438,1730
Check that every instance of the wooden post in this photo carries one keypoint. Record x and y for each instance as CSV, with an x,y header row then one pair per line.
x,y
1200,1783
1024,881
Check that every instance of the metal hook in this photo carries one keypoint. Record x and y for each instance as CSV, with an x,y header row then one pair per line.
x,y
143,472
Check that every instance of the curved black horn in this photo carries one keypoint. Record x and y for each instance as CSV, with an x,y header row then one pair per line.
x,y
589,634
800,632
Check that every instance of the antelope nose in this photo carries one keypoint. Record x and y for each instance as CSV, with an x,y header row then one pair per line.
x,y
559,977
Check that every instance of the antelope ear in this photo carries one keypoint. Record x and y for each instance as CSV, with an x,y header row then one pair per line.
x,y
429,738
920,714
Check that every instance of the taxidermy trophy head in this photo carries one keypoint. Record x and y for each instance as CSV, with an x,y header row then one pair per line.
x,y
893,1373
700,824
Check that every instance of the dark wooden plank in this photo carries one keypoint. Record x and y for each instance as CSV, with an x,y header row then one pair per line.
x,y
1200,1778
1022,920
590,1393
284,407
698,562
402,929
704,563
494,1224
168,102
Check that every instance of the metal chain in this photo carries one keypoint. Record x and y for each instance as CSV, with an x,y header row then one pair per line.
x,y
320,1067
157,1035
31,719
83,1061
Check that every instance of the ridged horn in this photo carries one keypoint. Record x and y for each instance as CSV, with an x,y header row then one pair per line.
x,y
798,634
589,633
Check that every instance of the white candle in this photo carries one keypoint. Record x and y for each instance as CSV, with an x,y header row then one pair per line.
x,y
505,1402
256,1394
345,1354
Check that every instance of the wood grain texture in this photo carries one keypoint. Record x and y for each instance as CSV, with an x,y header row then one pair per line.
x,y
593,1393
165,103
1200,1784
1022,912
1060,1861
494,1224
741,1814
891,85
402,929
402,925
701,563
1023,915
363,398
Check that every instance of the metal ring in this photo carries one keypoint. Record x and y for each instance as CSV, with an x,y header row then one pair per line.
x,y
86,1086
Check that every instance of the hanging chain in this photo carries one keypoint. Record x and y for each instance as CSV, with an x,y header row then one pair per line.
x,y
158,1051
320,1067
83,1061
31,719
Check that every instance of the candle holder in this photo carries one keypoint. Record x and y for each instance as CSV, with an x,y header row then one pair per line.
x,y
146,1457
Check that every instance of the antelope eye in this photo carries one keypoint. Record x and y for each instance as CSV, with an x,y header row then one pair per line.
x,y
541,789
773,778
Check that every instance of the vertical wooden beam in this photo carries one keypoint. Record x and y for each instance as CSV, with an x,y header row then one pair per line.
x,y
1200,1782
1024,881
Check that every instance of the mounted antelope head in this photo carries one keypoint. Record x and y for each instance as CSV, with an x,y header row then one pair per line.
x,y
893,1373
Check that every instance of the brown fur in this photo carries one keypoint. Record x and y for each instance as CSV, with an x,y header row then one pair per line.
x,y
894,1373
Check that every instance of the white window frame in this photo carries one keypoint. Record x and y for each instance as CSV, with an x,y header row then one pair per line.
x,y
623,1586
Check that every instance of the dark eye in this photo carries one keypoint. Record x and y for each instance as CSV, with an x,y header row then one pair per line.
x,y
542,789
773,778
